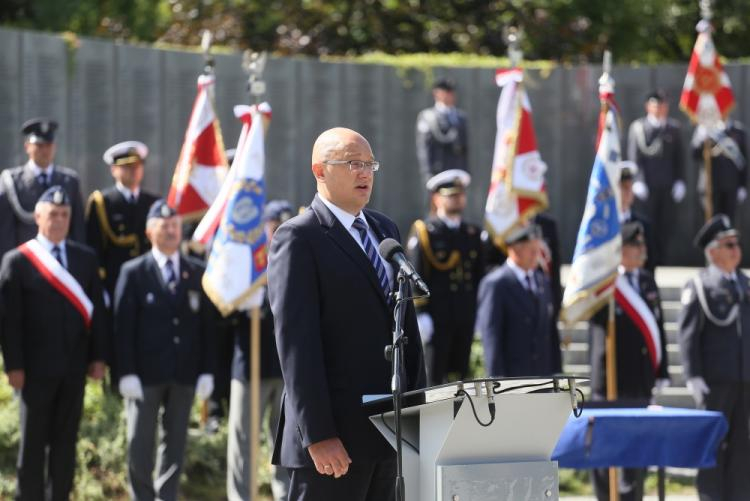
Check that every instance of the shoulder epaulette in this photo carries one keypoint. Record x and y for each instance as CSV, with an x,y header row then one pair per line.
x,y
131,240
424,241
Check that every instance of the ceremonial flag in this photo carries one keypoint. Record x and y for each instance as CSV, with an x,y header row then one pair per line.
x,y
236,267
598,246
517,187
202,164
707,96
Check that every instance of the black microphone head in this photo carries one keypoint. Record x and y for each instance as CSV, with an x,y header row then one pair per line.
x,y
388,247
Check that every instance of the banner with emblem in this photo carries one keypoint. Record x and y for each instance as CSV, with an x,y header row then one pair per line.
x,y
236,267
707,96
517,186
202,164
598,248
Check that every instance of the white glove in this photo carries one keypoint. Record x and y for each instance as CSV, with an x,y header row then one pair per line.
x,y
698,387
426,327
741,195
130,387
204,387
640,190
678,191
660,384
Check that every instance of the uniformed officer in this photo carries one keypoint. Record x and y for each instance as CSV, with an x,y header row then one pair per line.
x,y
271,385
728,146
116,216
446,252
164,350
442,141
628,173
21,187
54,334
516,312
655,145
641,361
714,336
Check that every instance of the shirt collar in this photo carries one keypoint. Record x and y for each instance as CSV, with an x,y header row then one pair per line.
x,y
161,258
38,170
519,272
451,222
654,121
621,270
715,270
344,217
48,244
443,108
126,192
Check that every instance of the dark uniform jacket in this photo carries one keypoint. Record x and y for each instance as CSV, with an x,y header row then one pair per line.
x,y
635,371
515,326
19,192
442,141
725,174
239,325
160,336
657,151
717,353
332,323
43,333
116,230
648,232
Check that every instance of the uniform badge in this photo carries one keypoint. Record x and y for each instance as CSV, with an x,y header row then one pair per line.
x,y
687,296
194,300
149,298
185,275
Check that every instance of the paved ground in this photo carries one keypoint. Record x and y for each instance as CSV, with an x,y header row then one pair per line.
x,y
646,498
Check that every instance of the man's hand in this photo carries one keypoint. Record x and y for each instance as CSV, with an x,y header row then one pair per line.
x,y
96,370
16,379
699,389
330,457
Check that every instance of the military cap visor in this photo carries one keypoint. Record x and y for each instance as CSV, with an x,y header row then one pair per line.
x,y
277,210
715,229
444,84
39,130
523,234
658,95
126,153
628,170
449,182
55,195
160,210
632,233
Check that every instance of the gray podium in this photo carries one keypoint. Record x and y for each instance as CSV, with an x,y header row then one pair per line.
x,y
456,451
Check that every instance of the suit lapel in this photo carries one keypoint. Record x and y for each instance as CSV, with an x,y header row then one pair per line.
x,y
524,296
342,238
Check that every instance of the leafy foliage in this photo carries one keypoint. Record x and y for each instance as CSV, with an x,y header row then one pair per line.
x,y
559,30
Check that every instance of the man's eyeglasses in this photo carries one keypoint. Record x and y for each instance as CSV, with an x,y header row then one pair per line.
x,y
730,245
356,165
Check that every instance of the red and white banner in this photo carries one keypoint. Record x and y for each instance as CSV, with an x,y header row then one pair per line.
x,y
202,165
59,278
517,186
638,311
707,96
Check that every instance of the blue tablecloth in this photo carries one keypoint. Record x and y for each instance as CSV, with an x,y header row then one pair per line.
x,y
641,437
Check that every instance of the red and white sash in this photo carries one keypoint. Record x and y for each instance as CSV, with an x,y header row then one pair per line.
x,y
636,308
58,277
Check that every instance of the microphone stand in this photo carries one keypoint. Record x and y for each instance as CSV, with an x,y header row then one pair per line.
x,y
394,353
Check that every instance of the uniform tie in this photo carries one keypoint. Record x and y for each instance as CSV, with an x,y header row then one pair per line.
x,y
171,276
43,180
57,254
530,284
132,200
372,255
631,278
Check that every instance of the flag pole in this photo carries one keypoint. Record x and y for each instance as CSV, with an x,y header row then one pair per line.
x,y
254,63
706,15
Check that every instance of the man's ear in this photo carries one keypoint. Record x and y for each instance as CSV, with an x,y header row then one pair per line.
x,y
319,172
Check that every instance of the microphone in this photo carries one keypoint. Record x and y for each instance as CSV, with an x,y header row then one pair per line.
x,y
392,252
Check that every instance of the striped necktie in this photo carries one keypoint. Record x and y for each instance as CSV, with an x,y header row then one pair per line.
x,y
372,255
171,276
57,254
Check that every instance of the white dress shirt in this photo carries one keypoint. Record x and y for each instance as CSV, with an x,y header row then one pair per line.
x,y
38,170
521,275
127,192
161,261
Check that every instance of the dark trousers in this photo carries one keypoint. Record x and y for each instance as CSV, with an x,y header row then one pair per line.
x,y
659,210
448,351
729,480
629,481
50,414
364,482
724,202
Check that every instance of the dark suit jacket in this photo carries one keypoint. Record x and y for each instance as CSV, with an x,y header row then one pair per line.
x,y
434,151
238,325
516,328
124,219
332,323
43,333
663,169
160,336
13,231
635,372
724,173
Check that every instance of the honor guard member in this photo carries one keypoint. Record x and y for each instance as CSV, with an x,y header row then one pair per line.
x,y
714,337
275,213
516,312
53,335
728,146
641,349
116,216
655,145
446,252
164,351
628,173
21,187
442,141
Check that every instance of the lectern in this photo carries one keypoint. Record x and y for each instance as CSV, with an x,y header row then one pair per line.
x,y
480,440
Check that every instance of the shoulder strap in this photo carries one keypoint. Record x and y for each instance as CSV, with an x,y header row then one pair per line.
x,y
131,240
701,294
424,241
10,188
